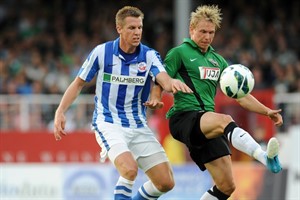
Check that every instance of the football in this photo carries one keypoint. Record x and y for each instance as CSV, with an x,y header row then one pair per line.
x,y
236,81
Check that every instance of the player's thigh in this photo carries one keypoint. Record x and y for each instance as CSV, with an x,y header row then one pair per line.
x,y
221,171
213,124
160,172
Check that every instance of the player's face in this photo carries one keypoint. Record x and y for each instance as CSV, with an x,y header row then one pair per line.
x,y
130,33
203,34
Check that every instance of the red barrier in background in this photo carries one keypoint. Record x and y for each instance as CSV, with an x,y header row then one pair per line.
x,y
16,146
42,147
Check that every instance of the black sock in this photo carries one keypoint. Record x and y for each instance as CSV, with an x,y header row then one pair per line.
x,y
228,130
217,193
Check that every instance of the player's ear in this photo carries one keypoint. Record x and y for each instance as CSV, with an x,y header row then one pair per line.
x,y
192,28
119,29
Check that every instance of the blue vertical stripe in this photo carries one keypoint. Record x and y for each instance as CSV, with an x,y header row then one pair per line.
x,y
135,101
95,113
106,86
121,97
94,68
145,94
93,71
107,147
135,106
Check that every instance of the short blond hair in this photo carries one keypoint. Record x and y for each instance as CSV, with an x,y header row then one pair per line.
x,y
128,11
210,13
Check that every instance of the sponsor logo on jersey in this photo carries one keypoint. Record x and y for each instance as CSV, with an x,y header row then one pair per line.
x,y
126,80
142,67
211,73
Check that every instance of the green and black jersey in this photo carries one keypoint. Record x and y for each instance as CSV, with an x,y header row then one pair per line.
x,y
200,71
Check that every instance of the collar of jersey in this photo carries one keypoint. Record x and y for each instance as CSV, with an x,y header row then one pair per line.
x,y
193,44
140,58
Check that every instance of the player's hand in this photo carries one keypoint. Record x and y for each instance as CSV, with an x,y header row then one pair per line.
x,y
154,104
275,116
178,85
59,126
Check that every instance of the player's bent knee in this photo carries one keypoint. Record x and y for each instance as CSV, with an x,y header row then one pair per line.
x,y
227,119
165,186
130,173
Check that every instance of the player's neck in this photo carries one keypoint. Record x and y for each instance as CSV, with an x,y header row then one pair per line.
x,y
129,49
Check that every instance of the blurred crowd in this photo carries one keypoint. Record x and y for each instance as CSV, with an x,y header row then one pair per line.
x,y
263,35
44,43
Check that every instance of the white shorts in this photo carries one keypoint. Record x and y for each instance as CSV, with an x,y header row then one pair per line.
x,y
141,142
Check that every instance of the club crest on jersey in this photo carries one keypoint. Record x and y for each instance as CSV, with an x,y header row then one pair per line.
x,y
211,73
142,67
212,61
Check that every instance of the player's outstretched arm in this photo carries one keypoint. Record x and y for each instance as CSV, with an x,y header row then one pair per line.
x,y
172,85
250,103
69,96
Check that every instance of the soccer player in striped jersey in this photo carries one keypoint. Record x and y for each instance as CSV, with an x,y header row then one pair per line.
x,y
125,70
193,119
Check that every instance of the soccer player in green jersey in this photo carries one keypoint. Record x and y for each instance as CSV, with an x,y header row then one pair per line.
x,y
193,119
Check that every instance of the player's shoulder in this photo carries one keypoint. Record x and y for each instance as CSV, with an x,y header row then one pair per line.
x,y
99,47
182,47
103,48
179,50
217,56
145,48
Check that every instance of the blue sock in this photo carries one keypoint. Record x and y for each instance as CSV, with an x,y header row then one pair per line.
x,y
123,189
147,191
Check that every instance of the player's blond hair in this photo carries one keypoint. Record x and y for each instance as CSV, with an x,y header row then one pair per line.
x,y
127,11
210,13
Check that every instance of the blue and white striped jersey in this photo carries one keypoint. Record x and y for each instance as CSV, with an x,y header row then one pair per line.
x,y
122,87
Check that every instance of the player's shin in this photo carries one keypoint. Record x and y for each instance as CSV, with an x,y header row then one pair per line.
x,y
243,141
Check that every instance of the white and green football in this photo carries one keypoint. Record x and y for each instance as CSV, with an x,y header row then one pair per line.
x,y
236,81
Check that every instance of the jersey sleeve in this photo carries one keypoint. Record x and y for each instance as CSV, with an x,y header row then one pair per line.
x,y
90,67
172,62
157,64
